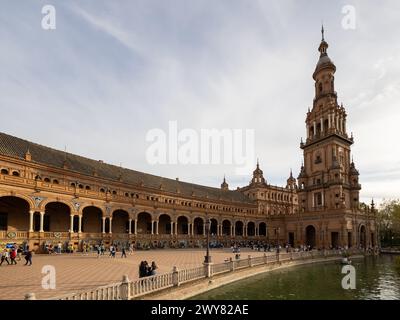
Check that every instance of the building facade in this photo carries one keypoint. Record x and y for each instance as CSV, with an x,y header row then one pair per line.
x,y
49,196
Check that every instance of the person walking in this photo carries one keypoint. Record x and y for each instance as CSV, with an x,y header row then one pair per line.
x,y
5,257
123,252
28,257
142,270
13,255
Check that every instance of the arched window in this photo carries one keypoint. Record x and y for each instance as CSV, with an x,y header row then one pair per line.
x,y
46,180
87,188
320,87
15,173
55,181
4,171
80,186
73,184
102,190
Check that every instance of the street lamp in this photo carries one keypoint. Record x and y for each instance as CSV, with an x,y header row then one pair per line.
x,y
207,257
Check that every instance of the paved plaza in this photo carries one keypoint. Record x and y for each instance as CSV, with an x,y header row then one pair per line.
x,y
75,272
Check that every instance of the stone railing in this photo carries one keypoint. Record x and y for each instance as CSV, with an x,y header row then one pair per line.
x,y
127,290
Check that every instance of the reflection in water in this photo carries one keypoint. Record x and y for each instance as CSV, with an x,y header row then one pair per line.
x,y
376,279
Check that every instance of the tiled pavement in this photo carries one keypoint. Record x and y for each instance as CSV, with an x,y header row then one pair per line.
x,y
78,272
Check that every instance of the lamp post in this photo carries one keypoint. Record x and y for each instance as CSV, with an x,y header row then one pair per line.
x,y
207,257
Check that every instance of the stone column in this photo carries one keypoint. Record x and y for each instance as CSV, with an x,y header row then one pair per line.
x,y
344,125
135,226
231,231
80,224
31,213
103,224
71,223
189,229
322,125
152,226
234,230
172,228
308,131
192,229
110,231
130,226
176,228
329,121
315,128
218,230
157,226
204,228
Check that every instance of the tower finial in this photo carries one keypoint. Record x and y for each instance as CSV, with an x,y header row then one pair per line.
x,y
322,31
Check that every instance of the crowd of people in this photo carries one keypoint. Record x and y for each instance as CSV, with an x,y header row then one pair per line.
x,y
146,270
13,253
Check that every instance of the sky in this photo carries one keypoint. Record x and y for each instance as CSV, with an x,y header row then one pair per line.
x,y
112,71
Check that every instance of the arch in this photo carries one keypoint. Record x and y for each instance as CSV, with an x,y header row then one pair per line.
x,y
226,227
44,203
310,236
251,229
164,224
91,219
57,217
262,229
213,226
144,222
198,225
14,213
4,171
239,228
183,225
120,221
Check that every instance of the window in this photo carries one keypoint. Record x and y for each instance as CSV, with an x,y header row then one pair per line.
x,y
55,181
46,180
114,192
80,186
15,173
320,87
73,184
318,199
87,187
4,171
102,190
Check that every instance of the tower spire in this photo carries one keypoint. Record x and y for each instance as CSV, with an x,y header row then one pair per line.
x,y
322,32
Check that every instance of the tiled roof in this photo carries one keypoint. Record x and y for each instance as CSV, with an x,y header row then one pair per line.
x,y
15,147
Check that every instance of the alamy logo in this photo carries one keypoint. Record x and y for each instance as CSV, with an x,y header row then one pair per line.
x,y
209,146
49,279
49,20
349,280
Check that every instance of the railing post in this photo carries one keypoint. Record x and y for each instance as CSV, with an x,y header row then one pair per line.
x,y
249,260
30,296
175,277
124,288
208,269
232,263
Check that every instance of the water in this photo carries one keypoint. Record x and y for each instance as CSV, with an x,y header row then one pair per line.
x,y
376,278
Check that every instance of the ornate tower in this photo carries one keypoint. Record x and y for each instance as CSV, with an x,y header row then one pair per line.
x,y
328,180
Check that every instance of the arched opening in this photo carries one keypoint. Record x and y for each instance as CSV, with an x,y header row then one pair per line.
x,y
144,223
198,226
164,224
226,228
262,229
14,214
91,219
238,228
120,221
310,236
57,217
251,229
4,171
363,236
183,225
213,227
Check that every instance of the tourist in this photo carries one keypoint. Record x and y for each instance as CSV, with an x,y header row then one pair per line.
x,y
98,251
13,255
123,252
19,253
153,269
5,257
28,257
142,269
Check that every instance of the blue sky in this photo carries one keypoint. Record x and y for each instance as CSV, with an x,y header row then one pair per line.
x,y
113,70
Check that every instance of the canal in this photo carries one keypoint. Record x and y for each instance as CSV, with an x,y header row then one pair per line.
x,y
376,278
